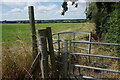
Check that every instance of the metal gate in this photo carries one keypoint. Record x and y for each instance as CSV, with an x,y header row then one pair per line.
x,y
73,63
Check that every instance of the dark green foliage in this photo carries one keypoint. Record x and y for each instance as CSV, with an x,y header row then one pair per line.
x,y
73,3
65,7
98,12
112,28
106,15
76,5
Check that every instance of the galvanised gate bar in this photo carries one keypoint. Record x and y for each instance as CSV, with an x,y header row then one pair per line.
x,y
76,64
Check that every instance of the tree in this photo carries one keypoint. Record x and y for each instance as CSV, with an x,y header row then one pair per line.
x,y
98,12
65,7
112,28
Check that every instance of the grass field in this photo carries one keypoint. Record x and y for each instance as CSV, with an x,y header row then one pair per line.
x,y
16,51
24,29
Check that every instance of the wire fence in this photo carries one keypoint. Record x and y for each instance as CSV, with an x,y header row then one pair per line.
x,y
16,35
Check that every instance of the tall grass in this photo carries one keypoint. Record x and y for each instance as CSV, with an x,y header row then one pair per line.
x,y
16,60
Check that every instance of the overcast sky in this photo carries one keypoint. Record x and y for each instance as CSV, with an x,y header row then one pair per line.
x,y
47,10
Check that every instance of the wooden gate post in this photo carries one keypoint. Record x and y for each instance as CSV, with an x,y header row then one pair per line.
x,y
44,54
33,32
51,50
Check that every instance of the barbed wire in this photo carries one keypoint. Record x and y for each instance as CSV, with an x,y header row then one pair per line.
x,y
16,35
19,42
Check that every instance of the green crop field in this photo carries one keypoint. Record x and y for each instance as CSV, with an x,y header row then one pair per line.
x,y
19,34
23,30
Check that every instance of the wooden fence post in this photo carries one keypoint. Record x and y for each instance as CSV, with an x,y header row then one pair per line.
x,y
52,55
44,54
33,32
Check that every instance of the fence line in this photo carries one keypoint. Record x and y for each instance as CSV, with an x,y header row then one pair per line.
x,y
87,42
70,32
101,69
16,35
96,55
76,41
92,55
18,42
85,54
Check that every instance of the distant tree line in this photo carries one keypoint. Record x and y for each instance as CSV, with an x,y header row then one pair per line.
x,y
15,21
50,21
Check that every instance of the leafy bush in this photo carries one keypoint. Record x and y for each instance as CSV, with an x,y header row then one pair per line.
x,y
112,28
